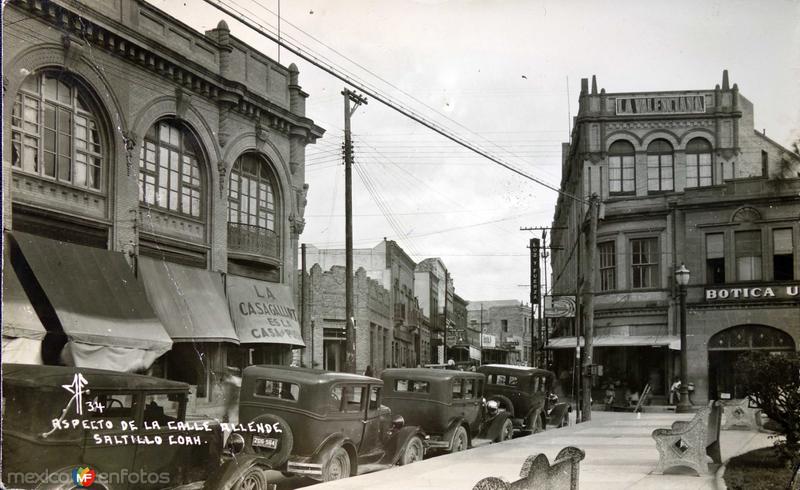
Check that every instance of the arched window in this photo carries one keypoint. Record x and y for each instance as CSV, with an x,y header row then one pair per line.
x,y
55,131
698,163
251,195
621,168
169,169
659,166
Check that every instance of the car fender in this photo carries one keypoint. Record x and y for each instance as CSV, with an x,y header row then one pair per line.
x,y
491,429
397,442
329,445
505,402
233,469
451,429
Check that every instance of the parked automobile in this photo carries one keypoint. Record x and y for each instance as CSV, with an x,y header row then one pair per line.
x,y
332,425
46,438
448,405
524,393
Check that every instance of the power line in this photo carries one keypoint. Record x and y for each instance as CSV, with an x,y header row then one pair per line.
x,y
384,100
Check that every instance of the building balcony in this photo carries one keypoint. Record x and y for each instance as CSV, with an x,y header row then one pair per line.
x,y
253,241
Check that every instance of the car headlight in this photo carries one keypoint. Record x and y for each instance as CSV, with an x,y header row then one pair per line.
x,y
235,443
492,406
398,422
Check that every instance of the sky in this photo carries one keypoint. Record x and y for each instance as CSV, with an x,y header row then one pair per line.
x,y
504,75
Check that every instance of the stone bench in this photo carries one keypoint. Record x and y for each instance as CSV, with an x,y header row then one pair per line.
x,y
738,414
688,443
538,474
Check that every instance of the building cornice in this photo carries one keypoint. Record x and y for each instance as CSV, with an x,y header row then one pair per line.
x,y
122,41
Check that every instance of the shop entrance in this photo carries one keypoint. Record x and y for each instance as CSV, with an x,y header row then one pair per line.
x,y
725,348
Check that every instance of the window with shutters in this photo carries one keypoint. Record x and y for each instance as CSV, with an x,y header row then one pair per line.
x,y
621,168
659,166
715,258
782,254
608,266
698,163
748,255
644,263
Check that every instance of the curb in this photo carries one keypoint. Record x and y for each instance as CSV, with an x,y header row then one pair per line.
x,y
719,481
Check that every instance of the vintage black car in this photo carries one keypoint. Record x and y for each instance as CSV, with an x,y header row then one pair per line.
x,y
523,392
332,425
449,406
58,419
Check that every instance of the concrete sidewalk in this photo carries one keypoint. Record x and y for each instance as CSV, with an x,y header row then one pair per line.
x,y
620,453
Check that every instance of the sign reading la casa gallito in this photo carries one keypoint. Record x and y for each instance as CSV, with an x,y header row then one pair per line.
x,y
754,293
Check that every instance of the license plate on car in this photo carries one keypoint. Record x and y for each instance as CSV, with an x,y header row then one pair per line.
x,y
267,442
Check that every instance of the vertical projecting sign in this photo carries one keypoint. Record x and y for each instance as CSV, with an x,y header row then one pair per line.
x,y
535,280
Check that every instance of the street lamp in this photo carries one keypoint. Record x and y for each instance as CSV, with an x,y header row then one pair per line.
x,y
682,278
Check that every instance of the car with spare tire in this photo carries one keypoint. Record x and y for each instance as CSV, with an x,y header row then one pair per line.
x,y
449,405
326,425
524,392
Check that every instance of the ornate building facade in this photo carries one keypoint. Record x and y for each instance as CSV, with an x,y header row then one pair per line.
x,y
683,178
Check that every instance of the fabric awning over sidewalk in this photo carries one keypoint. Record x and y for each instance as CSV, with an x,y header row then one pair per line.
x,y
22,330
672,342
99,304
263,312
189,301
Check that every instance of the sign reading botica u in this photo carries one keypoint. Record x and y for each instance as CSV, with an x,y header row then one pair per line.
x,y
684,104
753,293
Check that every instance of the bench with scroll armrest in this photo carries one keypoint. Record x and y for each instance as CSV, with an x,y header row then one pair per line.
x,y
740,414
688,443
538,474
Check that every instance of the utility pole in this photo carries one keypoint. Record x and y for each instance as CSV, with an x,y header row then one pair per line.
x,y
588,306
534,246
350,332
543,332
303,328
481,328
444,349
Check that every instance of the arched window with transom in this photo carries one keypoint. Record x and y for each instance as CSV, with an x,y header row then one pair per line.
x,y
698,163
621,168
253,211
659,166
170,165
56,131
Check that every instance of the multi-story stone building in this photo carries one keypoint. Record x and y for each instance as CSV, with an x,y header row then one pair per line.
x,y
463,342
373,312
154,192
445,293
506,330
426,290
388,264
683,178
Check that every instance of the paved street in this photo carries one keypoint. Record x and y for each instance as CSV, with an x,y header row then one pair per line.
x,y
619,454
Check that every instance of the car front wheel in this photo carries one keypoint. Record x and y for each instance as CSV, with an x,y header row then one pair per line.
x,y
507,431
413,452
337,467
253,479
460,440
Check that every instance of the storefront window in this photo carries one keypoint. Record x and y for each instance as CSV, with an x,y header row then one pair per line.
x,y
608,266
748,255
698,163
715,258
621,168
169,169
659,166
782,254
55,132
644,262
